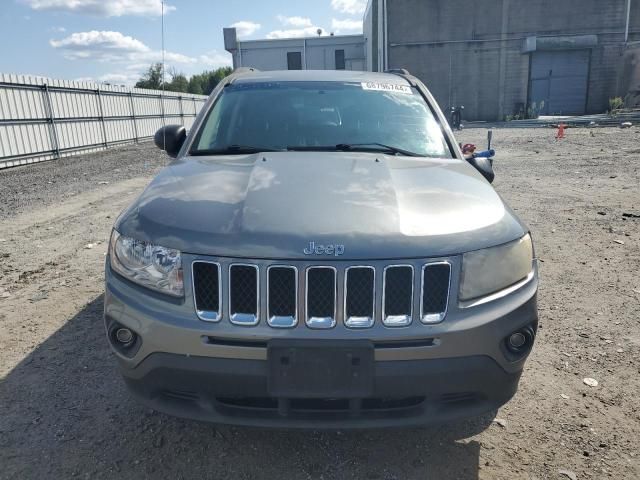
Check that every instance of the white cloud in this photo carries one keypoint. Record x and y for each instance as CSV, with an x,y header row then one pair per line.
x,y
246,28
103,43
130,57
215,59
347,25
102,8
295,21
107,46
352,7
311,31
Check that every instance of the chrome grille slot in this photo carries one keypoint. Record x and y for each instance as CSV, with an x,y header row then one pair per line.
x,y
434,296
359,297
321,297
282,295
397,300
207,290
243,294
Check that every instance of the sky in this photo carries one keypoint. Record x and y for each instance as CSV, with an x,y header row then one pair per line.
x,y
115,41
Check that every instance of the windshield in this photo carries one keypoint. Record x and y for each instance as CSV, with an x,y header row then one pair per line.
x,y
323,115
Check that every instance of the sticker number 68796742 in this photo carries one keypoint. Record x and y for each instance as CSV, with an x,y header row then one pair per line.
x,y
386,87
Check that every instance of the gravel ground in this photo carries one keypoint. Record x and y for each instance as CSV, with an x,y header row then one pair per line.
x,y
64,411
48,183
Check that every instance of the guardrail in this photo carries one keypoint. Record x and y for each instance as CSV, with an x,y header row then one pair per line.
x,y
43,119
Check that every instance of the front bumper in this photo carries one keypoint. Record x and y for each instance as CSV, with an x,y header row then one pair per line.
x,y
423,374
417,392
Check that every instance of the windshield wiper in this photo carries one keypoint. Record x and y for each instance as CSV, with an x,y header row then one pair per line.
x,y
234,150
373,145
362,147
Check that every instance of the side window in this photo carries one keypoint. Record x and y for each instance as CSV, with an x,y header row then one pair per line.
x,y
294,60
339,59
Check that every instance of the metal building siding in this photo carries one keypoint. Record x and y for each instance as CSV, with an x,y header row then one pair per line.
x,y
560,80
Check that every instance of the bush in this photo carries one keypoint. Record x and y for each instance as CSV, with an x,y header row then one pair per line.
x,y
615,103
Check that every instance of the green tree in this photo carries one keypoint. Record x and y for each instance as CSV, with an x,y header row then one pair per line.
x,y
195,85
199,84
214,77
179,82
152,78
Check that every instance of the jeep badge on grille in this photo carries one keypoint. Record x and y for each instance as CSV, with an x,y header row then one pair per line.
x,y
318,249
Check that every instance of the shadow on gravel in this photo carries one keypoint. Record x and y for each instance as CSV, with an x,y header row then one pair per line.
x,y
64,412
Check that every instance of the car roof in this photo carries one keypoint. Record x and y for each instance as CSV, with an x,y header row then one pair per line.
x,y
319,76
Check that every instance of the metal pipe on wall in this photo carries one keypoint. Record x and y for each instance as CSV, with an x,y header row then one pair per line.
x,y
385,24
626,29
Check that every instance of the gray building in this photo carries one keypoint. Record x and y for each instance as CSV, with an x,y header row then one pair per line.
x,y
499,58
339,52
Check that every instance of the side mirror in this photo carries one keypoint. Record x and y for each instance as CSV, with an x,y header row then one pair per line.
x,y
485,166
170,139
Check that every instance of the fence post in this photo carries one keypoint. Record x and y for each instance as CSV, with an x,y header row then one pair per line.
x,y
181,111
104,130
52,123
133,116
162,109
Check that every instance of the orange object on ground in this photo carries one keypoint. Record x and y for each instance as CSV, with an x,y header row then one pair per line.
x,y
560,133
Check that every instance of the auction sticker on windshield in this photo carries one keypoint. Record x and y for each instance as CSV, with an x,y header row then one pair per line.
x,y
386,87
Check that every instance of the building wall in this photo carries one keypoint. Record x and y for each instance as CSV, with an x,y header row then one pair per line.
x,y
316,53
374,35
630,83
470,52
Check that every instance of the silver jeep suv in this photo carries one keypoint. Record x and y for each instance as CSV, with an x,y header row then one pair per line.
x,y
320,254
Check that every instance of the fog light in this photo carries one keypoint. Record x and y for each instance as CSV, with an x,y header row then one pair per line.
x,y
519,343
517,340
124,336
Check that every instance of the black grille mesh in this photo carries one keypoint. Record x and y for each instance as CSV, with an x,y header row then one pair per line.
x,y
398,291
205,276
321,285
360,292
435,281
243,288
282,292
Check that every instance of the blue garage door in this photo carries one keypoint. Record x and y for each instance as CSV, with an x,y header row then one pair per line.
x,y
559,79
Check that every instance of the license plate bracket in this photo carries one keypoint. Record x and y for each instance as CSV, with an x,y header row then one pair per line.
x,y
320,369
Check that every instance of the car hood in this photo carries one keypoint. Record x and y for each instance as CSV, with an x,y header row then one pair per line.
x,y
273,205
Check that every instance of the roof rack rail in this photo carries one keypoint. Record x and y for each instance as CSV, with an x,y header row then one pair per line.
x,y
398,71
245,70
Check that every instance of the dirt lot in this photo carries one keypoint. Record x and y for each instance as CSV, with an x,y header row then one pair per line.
x,y
64,412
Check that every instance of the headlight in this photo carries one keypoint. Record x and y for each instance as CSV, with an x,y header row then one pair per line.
x,y
490,270
149,265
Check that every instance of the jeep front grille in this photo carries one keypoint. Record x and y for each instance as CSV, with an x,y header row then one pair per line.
x,y
207,290
359,297
244,307
321,297
436,278
282,293
367,294
397,300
